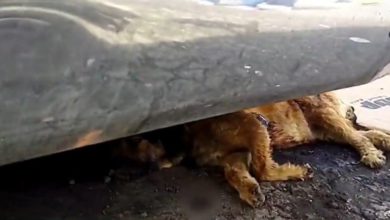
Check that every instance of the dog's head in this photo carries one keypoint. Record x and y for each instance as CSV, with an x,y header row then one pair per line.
x,y
141,150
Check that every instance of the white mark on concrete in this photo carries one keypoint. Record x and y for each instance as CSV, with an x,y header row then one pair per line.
x,y
277,85
258,73
247,67
48,119
359,40
90,62
324,26
149,85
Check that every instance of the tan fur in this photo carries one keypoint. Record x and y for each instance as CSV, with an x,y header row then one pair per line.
x,y
239,143
242,145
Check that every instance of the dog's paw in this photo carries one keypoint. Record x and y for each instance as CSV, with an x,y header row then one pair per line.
x,y
254,197
374,159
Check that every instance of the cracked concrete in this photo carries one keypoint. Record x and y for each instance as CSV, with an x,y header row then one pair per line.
x,y
140,79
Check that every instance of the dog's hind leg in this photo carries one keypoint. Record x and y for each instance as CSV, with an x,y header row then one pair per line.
x,y
263,165
328,124
236,167
332,127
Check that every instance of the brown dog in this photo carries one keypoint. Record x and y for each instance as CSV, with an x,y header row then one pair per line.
x,y
242,144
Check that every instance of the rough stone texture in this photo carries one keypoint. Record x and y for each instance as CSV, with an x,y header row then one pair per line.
x,y
74,73
72,186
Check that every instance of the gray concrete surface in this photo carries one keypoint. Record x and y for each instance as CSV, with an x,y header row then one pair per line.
x,y
79,72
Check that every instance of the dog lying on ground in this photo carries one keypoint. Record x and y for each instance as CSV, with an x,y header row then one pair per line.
x,y
242,142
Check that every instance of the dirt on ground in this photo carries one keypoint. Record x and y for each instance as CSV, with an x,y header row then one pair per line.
x,y
88,184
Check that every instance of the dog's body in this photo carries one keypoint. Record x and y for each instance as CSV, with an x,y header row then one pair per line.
x,y
242,142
